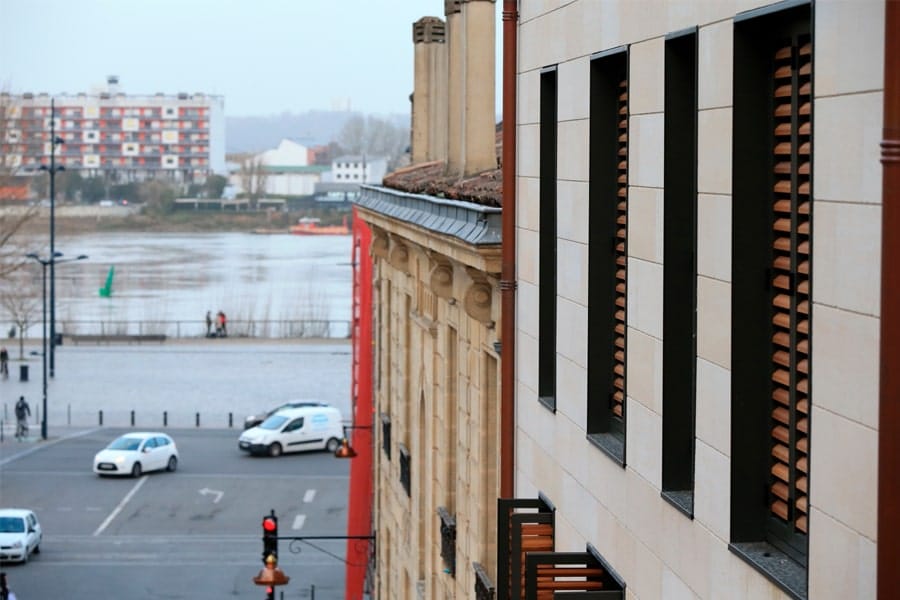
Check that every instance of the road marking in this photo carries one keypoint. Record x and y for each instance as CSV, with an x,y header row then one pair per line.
x,y
218,494
121,505
309,495
298,521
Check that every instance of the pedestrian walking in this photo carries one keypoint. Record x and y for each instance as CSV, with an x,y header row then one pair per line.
x,y
221,324
4,363
23,411
5,593
209,323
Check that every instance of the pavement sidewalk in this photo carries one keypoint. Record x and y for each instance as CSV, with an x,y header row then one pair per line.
x,y
175,385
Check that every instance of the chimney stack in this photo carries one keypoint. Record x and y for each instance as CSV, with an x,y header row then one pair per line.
x,y
430,96
455,155
479,146
112,84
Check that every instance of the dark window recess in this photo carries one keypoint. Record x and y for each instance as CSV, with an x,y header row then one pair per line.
x,y
386,435
523,524
608,251
680,271
547,241
448,540
771,290
484,588
404,468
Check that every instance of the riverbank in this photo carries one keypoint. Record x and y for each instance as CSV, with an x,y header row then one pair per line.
x,y
73,220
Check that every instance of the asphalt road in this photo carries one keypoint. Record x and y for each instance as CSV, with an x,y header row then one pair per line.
x,y
195,533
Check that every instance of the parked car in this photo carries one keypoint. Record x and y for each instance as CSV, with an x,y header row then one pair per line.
x,y
135,453
20,534
254,420
295,430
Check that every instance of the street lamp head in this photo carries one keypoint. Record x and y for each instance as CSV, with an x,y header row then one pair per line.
x,y
59,140
57,254
32,256
43,168
81,257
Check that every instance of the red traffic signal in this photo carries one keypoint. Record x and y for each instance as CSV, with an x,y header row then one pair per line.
x,y
270,524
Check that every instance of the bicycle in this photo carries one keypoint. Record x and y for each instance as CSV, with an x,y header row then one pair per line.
x,y
22,430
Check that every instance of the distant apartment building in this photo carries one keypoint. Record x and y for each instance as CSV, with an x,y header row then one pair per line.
x,y
358,169
176,137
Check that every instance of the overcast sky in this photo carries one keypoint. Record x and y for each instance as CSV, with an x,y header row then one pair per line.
x,y
265,56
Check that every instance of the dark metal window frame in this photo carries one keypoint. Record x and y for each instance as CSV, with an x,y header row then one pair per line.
x,y
604,429
756,36
405,469
386,435
484,588
547,242
448,540
680,270
613,584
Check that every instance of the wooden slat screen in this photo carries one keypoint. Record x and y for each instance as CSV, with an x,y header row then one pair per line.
x,y
621,256
791,224
549,572
523,525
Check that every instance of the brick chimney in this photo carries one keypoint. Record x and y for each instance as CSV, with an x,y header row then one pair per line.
x,y
429,110
471,143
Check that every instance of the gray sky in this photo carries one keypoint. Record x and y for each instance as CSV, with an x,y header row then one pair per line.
x,y
265,56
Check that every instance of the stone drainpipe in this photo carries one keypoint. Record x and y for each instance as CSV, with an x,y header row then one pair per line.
x,y
508,257
889,389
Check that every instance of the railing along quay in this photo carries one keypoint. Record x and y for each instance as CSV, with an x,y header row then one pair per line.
x,y
187,329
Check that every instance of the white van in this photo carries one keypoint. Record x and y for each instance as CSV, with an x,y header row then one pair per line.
x,y
295,430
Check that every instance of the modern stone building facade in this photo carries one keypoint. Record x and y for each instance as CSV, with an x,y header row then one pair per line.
x,y
699,225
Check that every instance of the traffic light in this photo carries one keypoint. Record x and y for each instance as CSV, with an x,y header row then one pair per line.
x,y
270,592
270,536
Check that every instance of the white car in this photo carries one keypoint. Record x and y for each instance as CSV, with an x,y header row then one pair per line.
x,y
295,430
134,453
20,534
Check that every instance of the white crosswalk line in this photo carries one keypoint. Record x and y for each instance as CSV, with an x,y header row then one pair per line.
x,y
298,521
309,495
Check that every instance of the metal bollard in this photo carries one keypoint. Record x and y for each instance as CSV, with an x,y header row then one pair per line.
x,y
101,417
230,420
132,418
165,418
197,417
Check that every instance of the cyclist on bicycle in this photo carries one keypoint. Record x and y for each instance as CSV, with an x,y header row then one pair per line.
x,y
23,411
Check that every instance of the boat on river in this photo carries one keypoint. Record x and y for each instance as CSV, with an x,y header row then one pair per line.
x,y
313,226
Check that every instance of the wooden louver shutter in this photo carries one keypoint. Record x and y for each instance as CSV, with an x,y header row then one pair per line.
x,y
791,299
520,530
618,396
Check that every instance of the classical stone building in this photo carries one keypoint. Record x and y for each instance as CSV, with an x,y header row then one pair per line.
x,y
436,268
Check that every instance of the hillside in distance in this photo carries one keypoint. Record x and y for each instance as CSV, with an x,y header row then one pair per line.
x,y
310,128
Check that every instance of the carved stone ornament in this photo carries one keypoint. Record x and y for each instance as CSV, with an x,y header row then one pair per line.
x,y
399,257
441,279
478,302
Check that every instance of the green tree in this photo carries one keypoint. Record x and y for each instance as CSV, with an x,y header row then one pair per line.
x,y
215,186
93,189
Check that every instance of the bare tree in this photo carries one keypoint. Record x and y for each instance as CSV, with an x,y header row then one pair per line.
x,y
14,209
21,300
253,179
373,136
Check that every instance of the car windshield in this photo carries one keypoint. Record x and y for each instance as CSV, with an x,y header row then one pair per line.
x,y
12,525
125,443
273,422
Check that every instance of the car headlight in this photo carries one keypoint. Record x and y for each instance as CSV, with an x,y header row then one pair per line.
x,y
119,460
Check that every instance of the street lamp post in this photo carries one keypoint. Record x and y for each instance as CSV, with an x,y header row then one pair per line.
x,y
51,260
53,169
